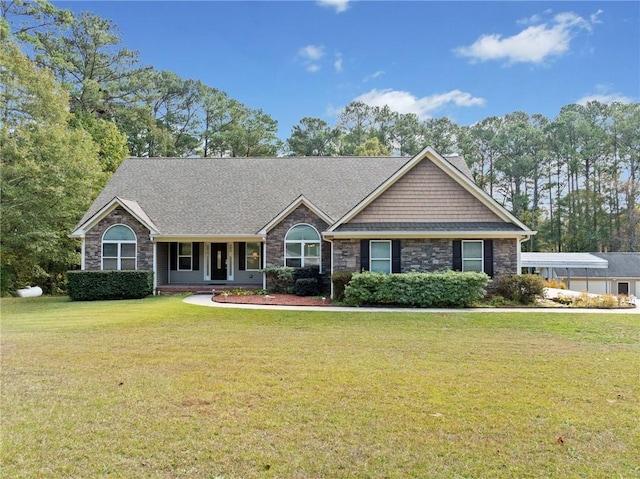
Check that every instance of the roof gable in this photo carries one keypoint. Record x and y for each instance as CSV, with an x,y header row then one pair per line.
x,y
131,206
301,200
419,192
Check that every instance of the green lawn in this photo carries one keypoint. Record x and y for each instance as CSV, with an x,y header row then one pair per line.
x,y
160,389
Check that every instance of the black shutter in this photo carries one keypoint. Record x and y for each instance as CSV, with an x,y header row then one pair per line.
x,y
396,266
488,257
195,256
242,256
173,256
457,255
364,255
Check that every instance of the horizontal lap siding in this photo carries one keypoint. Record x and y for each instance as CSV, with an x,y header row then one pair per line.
x,y
426,194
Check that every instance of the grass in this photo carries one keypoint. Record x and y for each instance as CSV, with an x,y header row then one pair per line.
x,y
160,389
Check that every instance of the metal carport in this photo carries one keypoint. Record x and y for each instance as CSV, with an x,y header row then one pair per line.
x,y
549,261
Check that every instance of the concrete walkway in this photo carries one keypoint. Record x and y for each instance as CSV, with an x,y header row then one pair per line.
x,y
205,300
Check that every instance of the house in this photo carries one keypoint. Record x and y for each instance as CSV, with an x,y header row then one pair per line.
x,y
620,277
219,221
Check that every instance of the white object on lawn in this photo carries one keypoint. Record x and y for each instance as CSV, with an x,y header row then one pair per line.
x,y
30,292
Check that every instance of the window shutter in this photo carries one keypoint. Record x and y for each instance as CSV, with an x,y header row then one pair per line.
x,y
195,256
364,255
173,256
457,255
488,257
242,256
396,266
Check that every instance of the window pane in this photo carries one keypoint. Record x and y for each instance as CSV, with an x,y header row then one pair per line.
x,y
294,249
184,262
184,249
302,232
380,249
381,266
312,249
110,249
312,261
472,249
294,263
253,263
128,250
119,232
109,263
472,265
128,264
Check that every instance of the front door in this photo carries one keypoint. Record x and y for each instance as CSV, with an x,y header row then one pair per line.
x,y
623,288
219,261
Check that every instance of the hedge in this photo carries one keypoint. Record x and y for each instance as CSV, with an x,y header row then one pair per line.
x,y
521,288
105,285
421,290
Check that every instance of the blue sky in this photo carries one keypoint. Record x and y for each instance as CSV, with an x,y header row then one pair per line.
x,y
463,60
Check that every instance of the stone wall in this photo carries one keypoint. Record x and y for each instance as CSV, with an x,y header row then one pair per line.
x,y
93,240
425,255
275,237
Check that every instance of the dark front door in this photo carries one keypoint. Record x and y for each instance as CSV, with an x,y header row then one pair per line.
x,y
623,288
219,261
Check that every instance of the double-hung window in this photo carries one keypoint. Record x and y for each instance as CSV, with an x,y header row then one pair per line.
x,y
119,248
472,257
252,256
185,256
380,256
302,246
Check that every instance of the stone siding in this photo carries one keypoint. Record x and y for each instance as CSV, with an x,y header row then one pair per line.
x,y
93,240
275,237
425,255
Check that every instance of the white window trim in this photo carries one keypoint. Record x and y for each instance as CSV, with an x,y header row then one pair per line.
x,y
390,258
481,258
119,243
246,255
190,255
302,243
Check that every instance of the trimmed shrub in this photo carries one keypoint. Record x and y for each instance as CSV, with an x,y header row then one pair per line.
x,y
521,288
104,285
307,272
422,290
279,279
306,287
340,280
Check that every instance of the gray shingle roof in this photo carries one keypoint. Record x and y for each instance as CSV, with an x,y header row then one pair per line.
x,y
621,265
238,196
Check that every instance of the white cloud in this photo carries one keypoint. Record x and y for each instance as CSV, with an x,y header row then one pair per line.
x,y
373,76
339,5
534,44
404,102
603,95
337,64
310,55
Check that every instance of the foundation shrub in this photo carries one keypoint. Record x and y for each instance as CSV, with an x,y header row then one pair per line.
x,y
280,279
523,288
423,290
107,285
306,287
340,280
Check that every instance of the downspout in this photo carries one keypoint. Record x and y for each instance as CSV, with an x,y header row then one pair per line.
x,y
83,252
264,263
331,273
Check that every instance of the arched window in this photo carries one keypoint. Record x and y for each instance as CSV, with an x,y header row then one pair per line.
x,y
119,248
302,246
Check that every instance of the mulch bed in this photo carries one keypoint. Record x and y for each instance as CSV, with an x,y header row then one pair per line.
x,y
273,299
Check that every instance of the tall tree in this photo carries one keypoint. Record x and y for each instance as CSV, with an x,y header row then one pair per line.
x,y
313,137
50,172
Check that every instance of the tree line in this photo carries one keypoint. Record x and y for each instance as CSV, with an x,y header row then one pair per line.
x,y
75,102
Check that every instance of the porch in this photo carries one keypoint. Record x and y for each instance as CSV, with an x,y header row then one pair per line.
x,y
204,288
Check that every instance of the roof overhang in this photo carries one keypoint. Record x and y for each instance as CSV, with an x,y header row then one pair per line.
x,y
562,260
455,234
203,238
132,207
